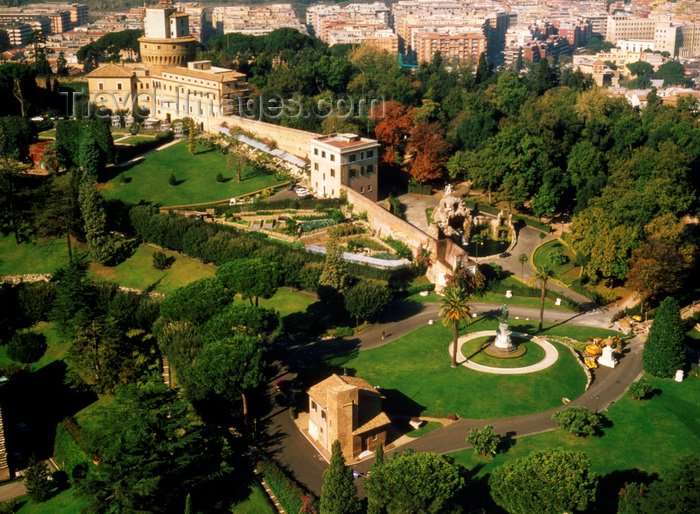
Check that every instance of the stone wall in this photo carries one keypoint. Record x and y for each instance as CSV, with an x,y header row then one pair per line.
x,y
386,224
288,139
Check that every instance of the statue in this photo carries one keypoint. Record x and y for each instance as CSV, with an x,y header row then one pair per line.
x,y
448,190
503,343
504,313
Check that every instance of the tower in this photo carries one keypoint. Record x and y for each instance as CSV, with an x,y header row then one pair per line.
x,y
166,41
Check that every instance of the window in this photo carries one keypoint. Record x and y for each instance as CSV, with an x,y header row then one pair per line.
x,y
351,157
362,155
332,192
320,429
369,187
351,174
332,157
323,154
313,405
323,414
315,151
316,166
370,154
362,189
332,172
100,85
324,176
362,170
370,169
374,437
120,99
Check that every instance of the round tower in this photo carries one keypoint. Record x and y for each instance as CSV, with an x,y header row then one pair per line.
x,y
166,41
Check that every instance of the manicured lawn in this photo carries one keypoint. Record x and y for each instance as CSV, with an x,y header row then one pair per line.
x,y
137,271
257,502
286,301
64,502
134,139
472,351
48,134
519,301
647,436
567,272
196,176
56,348
414,373
43,256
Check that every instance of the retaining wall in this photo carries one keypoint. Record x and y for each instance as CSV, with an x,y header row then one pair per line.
x,y
290,140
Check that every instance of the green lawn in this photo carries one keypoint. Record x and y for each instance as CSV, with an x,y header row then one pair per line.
x,y
33,257
257,502
518,301
472,351
56,348
565,273
64,502
647,436
137,271
414,373
196,176
48,134
286,301
134,139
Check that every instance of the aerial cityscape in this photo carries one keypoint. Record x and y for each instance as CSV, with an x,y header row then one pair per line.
x,y
410,257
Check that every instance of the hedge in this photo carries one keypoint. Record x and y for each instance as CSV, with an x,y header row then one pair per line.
x,y
396,207
420,190
345,229
289,494
218,244
67,450
410,291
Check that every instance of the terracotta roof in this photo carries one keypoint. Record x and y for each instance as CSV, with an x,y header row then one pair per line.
x,y
110,71
378,421
204,75
319,392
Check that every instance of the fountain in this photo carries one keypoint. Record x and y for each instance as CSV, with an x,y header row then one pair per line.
x,y
503,345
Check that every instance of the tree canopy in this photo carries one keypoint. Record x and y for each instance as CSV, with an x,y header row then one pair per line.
x,y
663,350
551,481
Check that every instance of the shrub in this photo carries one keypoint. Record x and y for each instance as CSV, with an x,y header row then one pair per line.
x,y
580,421
308,226
26,347
420,190
640,390
485,442
364,242
172,180
161,261
396,207
343,332
418,289
219,177
68,448
401,249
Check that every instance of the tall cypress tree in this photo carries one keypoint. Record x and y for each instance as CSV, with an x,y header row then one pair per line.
x,y
100,242
338,494
663,351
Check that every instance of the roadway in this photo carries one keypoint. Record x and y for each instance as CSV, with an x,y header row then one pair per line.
x,y
281,438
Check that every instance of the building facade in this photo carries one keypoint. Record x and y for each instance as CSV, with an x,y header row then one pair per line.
x,y
344,160
348,409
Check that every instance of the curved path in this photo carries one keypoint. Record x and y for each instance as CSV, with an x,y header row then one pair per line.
x,y
281,438
550,355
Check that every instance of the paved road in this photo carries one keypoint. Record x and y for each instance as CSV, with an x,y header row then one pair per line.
x,y
13,490
282,439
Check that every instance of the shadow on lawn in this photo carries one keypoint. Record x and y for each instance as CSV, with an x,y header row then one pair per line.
x,y
610,485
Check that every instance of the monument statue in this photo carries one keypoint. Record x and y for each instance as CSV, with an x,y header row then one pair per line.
x,y
503,343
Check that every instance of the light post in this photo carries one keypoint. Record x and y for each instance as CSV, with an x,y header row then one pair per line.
x,y
596,403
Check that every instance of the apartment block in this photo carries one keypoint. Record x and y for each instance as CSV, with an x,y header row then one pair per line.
x,y
255,21
348,160
17,32
322,18
465,44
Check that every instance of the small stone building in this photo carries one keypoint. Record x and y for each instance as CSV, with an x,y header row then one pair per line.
x,y
350,410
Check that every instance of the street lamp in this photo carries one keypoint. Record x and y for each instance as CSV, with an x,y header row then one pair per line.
x,y
596,403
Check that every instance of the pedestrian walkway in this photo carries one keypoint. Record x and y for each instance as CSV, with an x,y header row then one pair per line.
x,y
550,355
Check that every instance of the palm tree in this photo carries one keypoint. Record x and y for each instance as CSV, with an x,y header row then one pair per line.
x,y
454,312
542,276
522,259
